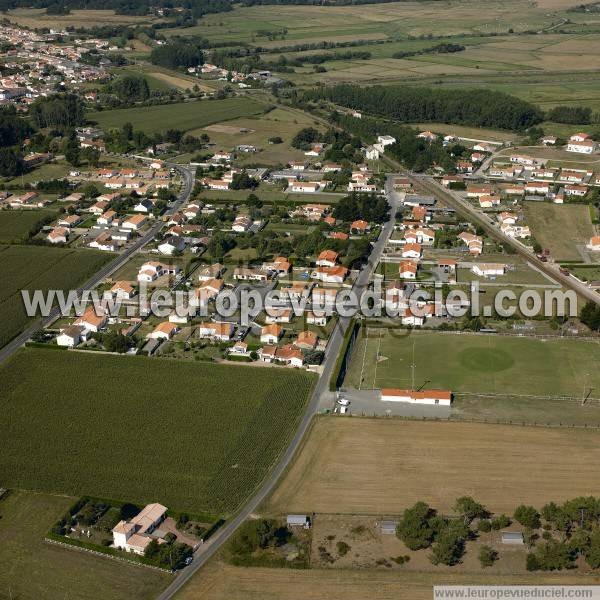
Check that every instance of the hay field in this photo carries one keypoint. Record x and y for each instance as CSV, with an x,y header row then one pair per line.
x,y
37,17
379,466
224,582
561,228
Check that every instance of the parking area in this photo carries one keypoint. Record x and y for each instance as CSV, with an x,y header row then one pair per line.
x,y
369,403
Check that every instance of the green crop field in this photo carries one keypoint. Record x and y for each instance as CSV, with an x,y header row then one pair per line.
x,y
475,363
39,268
16,225
196,437
185,115
32,568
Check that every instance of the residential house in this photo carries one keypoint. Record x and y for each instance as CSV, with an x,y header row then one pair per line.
x,y
123,290
335,274
134,535
327,258
164,331
488,269
213,271
92,321
107,218
309,187
412,251
218,331
70,336
359,227
594,243
59,235
408,269
270,334
171,244
242,223
69,221
245,274
105,242
134,223
306,340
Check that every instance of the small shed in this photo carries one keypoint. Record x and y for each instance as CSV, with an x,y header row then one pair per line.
x,y
388,527
298,521
512,537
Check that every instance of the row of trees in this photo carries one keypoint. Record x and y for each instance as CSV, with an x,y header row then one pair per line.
x,y
474,107
570,530
177,54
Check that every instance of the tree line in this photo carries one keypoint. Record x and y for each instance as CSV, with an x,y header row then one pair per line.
x,y
555,536
473,107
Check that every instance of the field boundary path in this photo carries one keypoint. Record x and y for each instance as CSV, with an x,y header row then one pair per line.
x,y
188,185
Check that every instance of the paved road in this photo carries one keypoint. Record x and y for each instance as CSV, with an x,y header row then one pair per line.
x,y
204,553
109,268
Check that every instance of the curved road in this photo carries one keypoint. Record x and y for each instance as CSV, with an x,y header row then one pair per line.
x,y
109,268
205,552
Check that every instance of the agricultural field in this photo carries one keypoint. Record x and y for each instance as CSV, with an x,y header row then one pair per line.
x,y
382,466
256,131
37,18
196,437
39,268
530,42
298,24
16,225
50,170
560,228
474,364
219,581
185,116
32,568
162,79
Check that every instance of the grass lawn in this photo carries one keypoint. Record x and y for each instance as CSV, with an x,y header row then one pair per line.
x,y
561,228
382,466
184,116
194,436
475,364
32,568
39,268
15,225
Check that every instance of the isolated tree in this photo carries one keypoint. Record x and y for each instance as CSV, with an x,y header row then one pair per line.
x,y
528,516
414,528
469,509
72,150
449,545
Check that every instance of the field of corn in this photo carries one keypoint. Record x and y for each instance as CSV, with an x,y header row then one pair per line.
x,y
196,437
